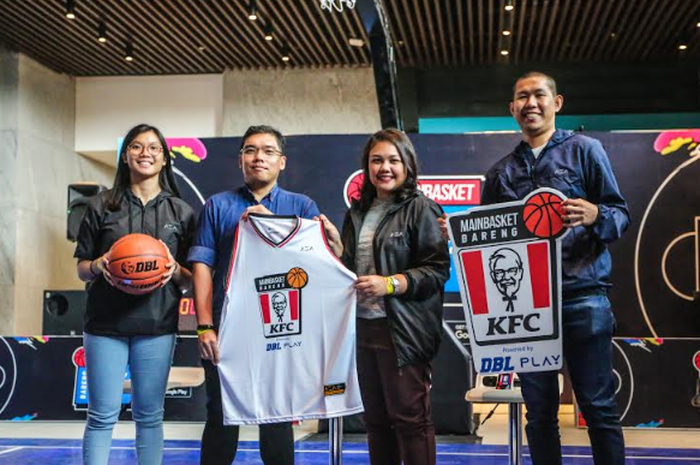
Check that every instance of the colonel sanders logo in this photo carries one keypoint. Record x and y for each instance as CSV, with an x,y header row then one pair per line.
x,y
279,304
279,297
507,273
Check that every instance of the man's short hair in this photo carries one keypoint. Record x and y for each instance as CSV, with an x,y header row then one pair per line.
x,y
549,80
264,129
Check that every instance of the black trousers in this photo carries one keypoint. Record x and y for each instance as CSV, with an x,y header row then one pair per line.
x,y
220,443
397,400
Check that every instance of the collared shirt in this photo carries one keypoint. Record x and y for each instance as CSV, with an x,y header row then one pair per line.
x,y
213,242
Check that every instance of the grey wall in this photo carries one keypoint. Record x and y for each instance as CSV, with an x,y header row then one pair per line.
x,y
37,162
313,101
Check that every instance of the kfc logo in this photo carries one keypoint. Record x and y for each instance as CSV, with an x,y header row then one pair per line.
x,y
279,297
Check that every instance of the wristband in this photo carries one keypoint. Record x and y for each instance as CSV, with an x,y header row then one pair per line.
x,y
389,285
397,284
201,329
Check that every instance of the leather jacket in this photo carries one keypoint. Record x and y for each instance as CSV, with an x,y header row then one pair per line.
x,y
408,241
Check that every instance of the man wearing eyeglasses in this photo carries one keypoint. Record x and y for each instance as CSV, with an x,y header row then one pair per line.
x,y
262,159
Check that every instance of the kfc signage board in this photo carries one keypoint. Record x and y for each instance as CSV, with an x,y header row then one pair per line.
x,y
508,261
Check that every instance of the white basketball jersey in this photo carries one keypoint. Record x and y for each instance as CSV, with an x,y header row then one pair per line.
x,y
287,335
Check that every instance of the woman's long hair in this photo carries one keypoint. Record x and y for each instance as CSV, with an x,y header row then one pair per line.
x,y
408,156
122,180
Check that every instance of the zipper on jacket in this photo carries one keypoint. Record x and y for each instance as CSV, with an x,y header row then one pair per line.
x,y
531,173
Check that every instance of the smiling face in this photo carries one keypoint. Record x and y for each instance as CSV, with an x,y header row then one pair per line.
x,y
506,272
261,160
386,170
534,106
145,156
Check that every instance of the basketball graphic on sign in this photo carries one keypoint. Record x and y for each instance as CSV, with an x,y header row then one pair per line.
x,y
543,215
297,278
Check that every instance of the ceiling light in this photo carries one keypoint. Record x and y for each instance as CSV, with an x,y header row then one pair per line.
x,y
267,30
509,5
504,52
102,32
252,11
355,42
285,54
682,47
129,52
505,33
698,24
70,9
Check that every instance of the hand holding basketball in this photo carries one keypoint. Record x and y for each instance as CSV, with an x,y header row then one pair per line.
x,y
100,266
579,212
137,263
171,267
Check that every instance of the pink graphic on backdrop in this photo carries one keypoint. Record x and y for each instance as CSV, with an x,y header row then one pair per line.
x,y
190,148
671,141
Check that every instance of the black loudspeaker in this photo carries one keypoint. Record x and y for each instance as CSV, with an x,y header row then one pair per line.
x,y
78,198
453,376
63,313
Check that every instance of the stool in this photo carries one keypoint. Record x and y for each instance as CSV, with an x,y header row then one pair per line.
x,y
512,396
179,377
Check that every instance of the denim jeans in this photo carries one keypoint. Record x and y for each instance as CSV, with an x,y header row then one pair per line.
x,y
588,326
149,359
220,442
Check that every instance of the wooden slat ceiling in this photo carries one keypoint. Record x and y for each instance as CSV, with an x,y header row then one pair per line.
x,y
210,36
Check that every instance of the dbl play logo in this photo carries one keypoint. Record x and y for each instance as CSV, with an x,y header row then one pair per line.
x,y
508,263
279,296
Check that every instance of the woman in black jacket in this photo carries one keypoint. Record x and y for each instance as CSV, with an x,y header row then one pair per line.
x,y
392,241
122,329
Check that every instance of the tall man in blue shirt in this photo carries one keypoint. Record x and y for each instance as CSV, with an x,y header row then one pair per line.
x,y
597,214
261,159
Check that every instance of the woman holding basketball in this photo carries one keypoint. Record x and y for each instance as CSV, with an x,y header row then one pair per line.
x,y
120,329
391,240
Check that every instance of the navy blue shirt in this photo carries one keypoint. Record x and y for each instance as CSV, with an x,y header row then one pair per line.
x,y
577,166
213,242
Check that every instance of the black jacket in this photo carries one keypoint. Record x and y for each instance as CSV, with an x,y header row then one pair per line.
x,y
111,312
408,241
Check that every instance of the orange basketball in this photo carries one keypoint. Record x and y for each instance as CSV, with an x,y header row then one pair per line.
x,y
542,215
297,278
137,263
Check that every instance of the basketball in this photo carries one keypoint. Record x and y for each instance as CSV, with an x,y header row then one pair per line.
x,y
137,263
297,278
542,214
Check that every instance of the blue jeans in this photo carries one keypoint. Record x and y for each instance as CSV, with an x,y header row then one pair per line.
x,y
588,326
106,358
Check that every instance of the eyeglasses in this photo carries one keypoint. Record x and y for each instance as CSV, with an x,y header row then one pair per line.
x,y
251,151
137,149
500,274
